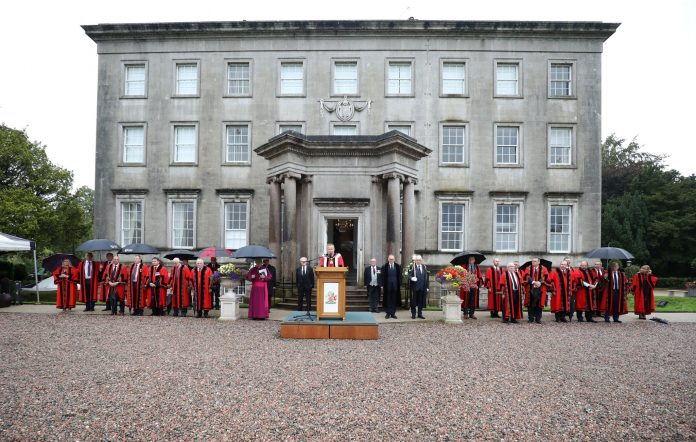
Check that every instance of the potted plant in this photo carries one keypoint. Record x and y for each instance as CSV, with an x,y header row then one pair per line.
x,y
453,279
230,275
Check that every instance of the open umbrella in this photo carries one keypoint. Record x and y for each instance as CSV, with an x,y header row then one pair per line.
x,y
181,254
610,253
543,262
98,245
463,258
51,263
138,249
216,252
253,251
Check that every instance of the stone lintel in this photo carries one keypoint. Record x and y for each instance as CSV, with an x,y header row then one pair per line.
x,y
342,202
130,191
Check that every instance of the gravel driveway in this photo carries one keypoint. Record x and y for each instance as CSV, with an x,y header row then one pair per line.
x,y
80,377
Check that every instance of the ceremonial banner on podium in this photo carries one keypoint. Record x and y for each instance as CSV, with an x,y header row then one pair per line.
x,y
331,292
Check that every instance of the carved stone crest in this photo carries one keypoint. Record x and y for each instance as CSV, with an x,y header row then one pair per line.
x,y
344,109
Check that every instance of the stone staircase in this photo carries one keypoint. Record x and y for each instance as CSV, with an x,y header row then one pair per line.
x,y
356,300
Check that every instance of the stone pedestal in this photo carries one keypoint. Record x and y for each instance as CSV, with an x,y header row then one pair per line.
x,y
229,305
451,308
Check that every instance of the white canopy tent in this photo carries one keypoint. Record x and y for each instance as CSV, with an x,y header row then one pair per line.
x,y
10,243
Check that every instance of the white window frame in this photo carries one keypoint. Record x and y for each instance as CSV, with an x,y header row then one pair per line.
x,y
197,92
186,199
124,69
465,157
518,239
573,238
573,149
520,84
334,62
573,79
240,61
393,125
466,204
335,124
465,62
173,153
520,144
125,198
283,61
122,128
280,124
225,126
232,197
387,78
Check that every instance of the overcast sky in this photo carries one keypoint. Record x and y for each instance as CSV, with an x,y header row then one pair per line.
x,y
48,73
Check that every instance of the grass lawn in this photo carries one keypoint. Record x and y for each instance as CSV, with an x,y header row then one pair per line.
x,y
674,305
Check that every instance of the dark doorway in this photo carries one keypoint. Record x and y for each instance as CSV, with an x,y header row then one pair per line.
x,y
342,233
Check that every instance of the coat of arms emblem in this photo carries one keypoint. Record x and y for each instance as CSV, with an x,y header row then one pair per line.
x,y
344,109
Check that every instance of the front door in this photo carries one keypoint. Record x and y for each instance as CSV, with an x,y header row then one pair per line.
x,y
342,233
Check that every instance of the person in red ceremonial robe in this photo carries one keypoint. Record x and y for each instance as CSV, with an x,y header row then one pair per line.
x,y
584,284
561,281
258,298
179,281
88,278
138,273
116,281
535,281
202,283
65,277
331,258
643,287
511,283
493,283
156,288
614,296
598,274
103,274
470,299
573,277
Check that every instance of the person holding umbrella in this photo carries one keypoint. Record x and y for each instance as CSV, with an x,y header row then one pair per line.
x,y
258,298
179,283
156,286
138,273
65,277
535,279
470,299
615,288
88,276
560,281
116,280
201,280
103,276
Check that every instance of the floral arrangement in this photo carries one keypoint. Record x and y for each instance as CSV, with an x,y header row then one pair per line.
x,y
690,284
458,276
231,271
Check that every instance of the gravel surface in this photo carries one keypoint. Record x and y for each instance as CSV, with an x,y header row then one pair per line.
x,y
80,377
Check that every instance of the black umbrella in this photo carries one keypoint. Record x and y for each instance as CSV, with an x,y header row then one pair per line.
x,y
253,251
543,262
462,259
97,245
51,263
181,254
138,249
610,253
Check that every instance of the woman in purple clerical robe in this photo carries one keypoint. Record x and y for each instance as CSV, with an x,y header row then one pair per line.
x,y
258,299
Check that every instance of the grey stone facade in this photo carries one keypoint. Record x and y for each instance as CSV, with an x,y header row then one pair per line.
x,y
505,117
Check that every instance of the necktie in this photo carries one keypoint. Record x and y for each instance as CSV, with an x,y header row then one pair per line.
x,y
114,274
420,270
514,281
135,274
616,280
88,272
304,270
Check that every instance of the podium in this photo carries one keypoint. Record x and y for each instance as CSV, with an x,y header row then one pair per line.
x,y
331,292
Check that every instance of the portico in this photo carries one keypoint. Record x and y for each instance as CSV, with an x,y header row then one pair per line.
x,y
323,186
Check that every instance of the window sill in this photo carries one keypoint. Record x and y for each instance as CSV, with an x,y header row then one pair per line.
x,y
454,165
514,97
303,95
455,95
175,164
399,95
133,97
508,166
236,164
562,97
561,166
186,96
131,165
237,96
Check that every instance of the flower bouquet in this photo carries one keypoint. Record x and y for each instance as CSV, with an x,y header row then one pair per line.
x,y
231,275
456,277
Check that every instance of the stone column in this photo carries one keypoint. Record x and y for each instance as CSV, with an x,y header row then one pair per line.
x,y
408,222
306,217
274,237
290,246
393,200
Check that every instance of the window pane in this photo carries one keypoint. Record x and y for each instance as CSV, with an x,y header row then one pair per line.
x,y
238,79
507,142
452,227
131,223
559,229
237,144
134,144
453,78
187,79
345,129
560,80
185,144
235,225
346,77
135,79
506,227
399,81
291,78
453,144
560,145
506,78
182,224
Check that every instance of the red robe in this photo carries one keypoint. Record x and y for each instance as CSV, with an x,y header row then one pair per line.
x,y
179,281
607,300
103,274
201,283
156,297
561,285
136,289
116,273
336,261
642,287
494,285
93,294
536,274
584,299
597,292
67,287
479,283
512,308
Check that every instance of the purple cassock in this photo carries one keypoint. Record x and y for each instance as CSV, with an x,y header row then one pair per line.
x,y
258,299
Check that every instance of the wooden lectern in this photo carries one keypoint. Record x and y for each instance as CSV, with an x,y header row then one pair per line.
x,y
331,292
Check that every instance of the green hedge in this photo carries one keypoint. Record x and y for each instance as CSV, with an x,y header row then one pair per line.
x,y
16,272
673,283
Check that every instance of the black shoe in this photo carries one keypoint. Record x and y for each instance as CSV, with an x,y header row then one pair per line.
x,y
617,321
394,317
591,320
606,319
176,314
530,320
413,316
106,309
563,320
387,316
205,314
538,321
505,321
580,319
423,317
514,321
199,315
641,317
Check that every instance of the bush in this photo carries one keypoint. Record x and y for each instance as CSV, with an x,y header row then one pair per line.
x,y
631,270
671,283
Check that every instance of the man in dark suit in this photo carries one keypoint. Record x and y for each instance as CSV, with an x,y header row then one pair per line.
x,y
420,283
304,275
391,283
373,280
271,283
